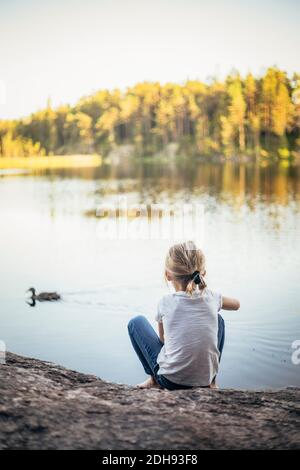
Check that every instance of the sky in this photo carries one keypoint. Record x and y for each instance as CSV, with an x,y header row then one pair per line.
x,y
66,49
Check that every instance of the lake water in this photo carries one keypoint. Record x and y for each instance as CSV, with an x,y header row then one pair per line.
x,y
251,241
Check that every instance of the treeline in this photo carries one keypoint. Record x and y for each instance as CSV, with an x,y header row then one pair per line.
x,y
238,115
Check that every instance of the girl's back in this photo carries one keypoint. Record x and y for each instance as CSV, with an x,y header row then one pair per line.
x,y
191,332
190,354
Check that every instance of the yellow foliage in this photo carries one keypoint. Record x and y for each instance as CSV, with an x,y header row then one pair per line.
x,y
237,114
53,162
284,152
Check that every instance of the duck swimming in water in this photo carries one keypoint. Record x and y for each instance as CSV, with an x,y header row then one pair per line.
x,y
43,296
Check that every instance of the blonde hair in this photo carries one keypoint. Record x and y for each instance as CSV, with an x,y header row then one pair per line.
x,y
186,264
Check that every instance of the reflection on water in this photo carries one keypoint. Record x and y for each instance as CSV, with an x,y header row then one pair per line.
x,y
265,181
251,241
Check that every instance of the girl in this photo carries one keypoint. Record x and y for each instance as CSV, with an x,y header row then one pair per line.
x,y
191,332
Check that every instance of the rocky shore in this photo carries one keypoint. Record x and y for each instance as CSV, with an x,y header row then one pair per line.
x,y
45,406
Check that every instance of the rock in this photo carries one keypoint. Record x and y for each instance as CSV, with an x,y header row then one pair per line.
x,y
45,406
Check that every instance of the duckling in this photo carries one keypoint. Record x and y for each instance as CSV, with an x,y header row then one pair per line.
x,y
43,296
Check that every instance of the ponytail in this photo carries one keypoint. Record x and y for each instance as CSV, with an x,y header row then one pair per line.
x,y
196,279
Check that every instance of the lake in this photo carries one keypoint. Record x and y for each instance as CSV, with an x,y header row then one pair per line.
x,y
50,240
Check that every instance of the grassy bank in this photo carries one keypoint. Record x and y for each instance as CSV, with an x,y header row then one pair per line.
x,y
51,162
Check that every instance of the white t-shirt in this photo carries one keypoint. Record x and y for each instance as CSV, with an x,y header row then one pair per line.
x,y
190,354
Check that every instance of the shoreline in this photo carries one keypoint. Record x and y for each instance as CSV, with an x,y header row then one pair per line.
x,y
94,160
46,406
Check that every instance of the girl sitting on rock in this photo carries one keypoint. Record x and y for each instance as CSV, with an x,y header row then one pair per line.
x,y
188,349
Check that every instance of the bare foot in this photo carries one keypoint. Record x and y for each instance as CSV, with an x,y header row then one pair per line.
x,y
149,383
214,385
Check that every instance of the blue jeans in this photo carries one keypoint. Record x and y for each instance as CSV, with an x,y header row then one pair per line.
x,y
147,345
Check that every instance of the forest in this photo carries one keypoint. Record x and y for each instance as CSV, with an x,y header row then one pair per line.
x,y
240,115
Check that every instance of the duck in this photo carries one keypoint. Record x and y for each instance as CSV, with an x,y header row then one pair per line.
x,y
43,296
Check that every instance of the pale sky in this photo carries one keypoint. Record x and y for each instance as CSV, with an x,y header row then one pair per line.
x,y
64,49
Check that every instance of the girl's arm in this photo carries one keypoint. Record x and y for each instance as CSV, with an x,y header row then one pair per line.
x,y
230,304
161,331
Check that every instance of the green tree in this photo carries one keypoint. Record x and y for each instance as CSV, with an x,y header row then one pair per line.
x,y
236,111
252,117
236,114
